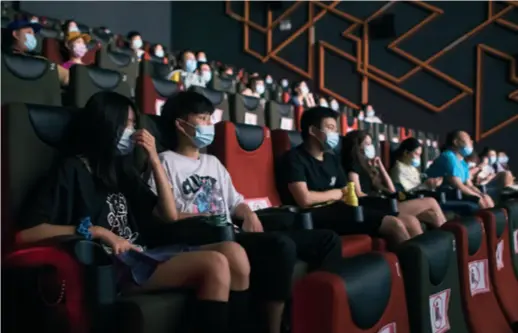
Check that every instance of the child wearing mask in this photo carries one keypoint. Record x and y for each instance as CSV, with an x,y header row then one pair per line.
x,y
136,43
75,43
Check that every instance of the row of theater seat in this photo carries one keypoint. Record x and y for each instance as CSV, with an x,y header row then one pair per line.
x,y
463,278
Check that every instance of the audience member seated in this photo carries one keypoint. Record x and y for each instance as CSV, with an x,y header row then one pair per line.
x,y
333,104
201,57
302,96
187,74
360,115
451,165
368,173
20,39
370,115
75,43
205,72
323,102
34,19
202,185
494,180
310,174
96,193
70,26
158,51
268,80
502,163
256,88
135,43
285,85
406,175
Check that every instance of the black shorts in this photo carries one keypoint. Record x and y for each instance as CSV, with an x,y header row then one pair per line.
x,y
338,217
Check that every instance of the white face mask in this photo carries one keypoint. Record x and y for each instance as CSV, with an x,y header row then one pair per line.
x,y
304,90
370,151
334,105
472,164
126,144
324,104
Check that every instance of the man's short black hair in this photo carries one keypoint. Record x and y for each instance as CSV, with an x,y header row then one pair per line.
x,y
314,117
179,106
132,34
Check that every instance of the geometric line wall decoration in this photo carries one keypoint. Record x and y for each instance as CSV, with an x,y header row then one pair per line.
x,y
360,58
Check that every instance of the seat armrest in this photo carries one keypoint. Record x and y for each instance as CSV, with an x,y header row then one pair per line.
x,y
197,230
439,196
285,218
388,205
452,194
482,188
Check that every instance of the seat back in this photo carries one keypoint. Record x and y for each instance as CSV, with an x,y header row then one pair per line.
x,y
511,207
219,100
152,93
505,283
481,308
51,49
279,116
155,69
85,81
224,84
122,62
246,152
283,141
28,79
430,270
39,129
365,294
246,110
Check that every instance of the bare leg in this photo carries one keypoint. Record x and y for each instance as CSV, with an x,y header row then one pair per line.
x,y
412,225
394,228
207,271
237,261
274,311
425,209
487,201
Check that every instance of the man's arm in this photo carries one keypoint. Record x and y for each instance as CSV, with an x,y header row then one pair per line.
x,y
306,198
464,188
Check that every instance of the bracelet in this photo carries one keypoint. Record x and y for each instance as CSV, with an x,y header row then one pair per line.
x,y
83,228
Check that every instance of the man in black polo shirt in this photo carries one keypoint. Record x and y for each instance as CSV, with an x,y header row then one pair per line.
x,y
311,174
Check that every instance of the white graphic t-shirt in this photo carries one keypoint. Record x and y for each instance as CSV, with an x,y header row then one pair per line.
x,y
200,185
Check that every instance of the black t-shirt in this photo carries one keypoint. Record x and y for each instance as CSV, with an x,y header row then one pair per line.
x,y
364,177
71,194
297,165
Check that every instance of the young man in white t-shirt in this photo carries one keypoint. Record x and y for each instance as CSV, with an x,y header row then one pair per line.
x,y
202,185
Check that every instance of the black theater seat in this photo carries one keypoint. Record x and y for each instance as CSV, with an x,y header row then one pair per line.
x,y
279,116
87,80
246,110
155,68
218,99
124,62
430,270
29,80
224,84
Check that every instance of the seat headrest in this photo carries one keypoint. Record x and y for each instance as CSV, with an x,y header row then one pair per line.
x,y
120,59
250,102
51,33
51,123
165,88
102,78
26,67
295,138
249,137
154,58
284,110
216,97
161,70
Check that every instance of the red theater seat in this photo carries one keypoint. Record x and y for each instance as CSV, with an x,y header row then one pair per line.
x,y
365,296
505,283
151,93
482,310
246,152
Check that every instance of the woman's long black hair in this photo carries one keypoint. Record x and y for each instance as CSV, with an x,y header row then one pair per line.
x,y
408,145
97,130
351,149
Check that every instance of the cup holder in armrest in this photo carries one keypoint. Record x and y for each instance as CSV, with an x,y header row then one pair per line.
x,y
194,231
285,218
389,205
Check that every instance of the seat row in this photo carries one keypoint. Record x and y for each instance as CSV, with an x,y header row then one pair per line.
x,y
463,278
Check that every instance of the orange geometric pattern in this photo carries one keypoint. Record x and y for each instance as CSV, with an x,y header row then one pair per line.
x,y
368,71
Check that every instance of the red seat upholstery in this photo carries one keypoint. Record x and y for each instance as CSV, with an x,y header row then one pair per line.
x,y
246,152
151,93
299,110
505,283
348,123
482,310
365,296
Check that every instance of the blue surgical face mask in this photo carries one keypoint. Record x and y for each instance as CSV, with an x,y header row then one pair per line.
x,y
190,65
206,76
503,159
492,159
334,105
361,117
30,42
268,80
416,162
136,43
202,59
203,135
159,53
466,151
369,151
126,144
73,28
259,89
332,139
370,113
284,83
304,90
324,104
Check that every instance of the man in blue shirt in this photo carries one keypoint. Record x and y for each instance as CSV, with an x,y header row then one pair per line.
x,y
452,166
